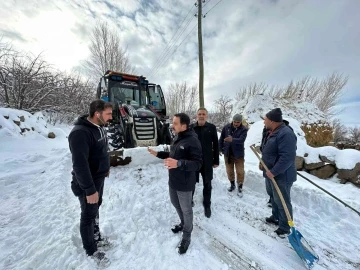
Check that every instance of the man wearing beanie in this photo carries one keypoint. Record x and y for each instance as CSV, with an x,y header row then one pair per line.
x,y
231,144
278,153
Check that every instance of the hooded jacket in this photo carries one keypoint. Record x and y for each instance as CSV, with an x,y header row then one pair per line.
x,y
186,148
91,162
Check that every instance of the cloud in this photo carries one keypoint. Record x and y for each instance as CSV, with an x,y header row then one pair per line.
x,y
255,41
349,113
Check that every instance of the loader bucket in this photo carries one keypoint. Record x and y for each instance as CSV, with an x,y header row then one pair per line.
x,y
117,158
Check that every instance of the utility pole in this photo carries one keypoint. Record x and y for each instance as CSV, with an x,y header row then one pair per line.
x,y
201,60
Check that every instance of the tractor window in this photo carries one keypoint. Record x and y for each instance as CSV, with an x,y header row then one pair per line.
x,y
132,96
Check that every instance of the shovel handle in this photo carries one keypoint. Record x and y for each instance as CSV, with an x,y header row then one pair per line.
x,y
290,221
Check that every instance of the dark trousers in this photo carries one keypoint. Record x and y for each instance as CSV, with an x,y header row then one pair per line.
x,y
181,200
89,214
278,211
207,186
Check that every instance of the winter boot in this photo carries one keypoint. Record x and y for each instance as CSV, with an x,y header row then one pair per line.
x,y
207,211
183,247
232,186
177,228
103,243
272,220
100,258
281,233
240,188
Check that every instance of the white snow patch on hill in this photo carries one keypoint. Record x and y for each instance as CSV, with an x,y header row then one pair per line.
x,y
255,108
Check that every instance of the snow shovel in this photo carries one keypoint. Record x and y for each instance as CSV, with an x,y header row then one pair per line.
x,y
297,241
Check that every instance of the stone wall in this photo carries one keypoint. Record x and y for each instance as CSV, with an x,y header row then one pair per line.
x,y
326,168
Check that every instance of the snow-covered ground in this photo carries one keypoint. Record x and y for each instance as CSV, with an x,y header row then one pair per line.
x,y
39,217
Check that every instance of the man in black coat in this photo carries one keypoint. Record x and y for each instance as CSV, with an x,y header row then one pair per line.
x,y
91,164
208,138
183,161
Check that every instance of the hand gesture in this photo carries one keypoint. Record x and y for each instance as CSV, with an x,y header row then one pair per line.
x,y
170,163
153,152
228,139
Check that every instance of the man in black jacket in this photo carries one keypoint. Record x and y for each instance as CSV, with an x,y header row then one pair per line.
x,y
183,161
208,138
91,164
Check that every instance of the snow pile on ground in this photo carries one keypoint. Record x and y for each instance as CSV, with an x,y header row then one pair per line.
x,y
17,123
39,217
255,108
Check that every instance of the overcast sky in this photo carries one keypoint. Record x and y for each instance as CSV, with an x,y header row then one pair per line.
x,y
245,41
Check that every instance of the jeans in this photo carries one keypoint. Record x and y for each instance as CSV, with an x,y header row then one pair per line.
x,y
181,200
278,211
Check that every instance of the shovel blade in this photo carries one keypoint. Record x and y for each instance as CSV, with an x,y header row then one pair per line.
x,y
302,248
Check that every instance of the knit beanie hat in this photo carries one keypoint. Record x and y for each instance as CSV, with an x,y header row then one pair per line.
x,y
237,117
275,115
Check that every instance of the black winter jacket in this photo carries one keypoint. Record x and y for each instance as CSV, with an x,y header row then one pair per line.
x,y
91,162
208,138
185,147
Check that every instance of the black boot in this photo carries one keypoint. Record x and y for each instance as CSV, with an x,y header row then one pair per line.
x,y
177,228
240,188
272,220
183,247
207,211
232,187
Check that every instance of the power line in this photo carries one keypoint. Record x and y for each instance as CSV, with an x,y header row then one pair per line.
x,y
168,43
211,8
206,3
169,49
175,50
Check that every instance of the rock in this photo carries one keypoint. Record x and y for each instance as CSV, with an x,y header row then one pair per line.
x,y
324,172
306,155
51,135
33,129
6,117
313,166
117,159
325,159
22,119
17,122
299,163
350,175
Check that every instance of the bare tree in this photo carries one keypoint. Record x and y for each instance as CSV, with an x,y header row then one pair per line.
x,y
250,90
354,134
181,97
106,52
325,94
224,108
340,131
26,81
330,93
